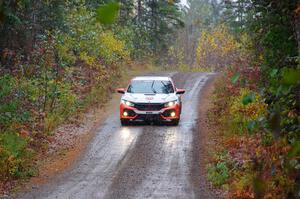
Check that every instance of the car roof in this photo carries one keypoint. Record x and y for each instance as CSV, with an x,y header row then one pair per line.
x,y
162,78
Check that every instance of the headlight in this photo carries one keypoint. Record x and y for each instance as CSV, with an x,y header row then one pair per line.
x,y
128,103
169,104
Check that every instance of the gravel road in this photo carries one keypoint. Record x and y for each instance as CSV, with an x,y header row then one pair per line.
x,y
140,161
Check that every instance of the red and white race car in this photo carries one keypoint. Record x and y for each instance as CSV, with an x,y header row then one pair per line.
x,y
150,98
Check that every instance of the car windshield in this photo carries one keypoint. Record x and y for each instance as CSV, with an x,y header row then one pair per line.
x,y
151,86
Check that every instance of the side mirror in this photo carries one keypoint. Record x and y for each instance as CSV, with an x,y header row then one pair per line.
x,y
180,91
121,90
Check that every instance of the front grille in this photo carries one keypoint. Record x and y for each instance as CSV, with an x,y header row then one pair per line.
x,y
150,117
149,106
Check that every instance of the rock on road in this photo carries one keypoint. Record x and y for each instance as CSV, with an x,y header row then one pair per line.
x,y
141,161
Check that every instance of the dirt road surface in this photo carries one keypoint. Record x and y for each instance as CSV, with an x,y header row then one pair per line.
x,y
140,161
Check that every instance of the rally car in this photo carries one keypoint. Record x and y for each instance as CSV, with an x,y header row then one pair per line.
x,y
150,98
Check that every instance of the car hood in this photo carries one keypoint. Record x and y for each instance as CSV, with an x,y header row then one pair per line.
x,y
149,98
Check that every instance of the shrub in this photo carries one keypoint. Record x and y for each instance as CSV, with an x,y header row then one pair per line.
x,y
243,181
217,48
61,105
241,113
218,173
8,103
14,97
112,49
15,158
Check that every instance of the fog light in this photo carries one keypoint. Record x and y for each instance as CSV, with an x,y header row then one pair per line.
x,y
125,114
173,114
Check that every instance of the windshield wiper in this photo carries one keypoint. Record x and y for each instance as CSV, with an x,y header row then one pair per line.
x,y
166,87
154,91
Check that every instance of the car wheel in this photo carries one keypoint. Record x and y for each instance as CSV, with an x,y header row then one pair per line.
x,y
124,122
175,122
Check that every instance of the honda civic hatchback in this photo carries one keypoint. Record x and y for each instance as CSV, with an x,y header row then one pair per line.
x,y
150,98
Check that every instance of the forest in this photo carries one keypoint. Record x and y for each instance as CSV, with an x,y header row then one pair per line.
x,y
59,59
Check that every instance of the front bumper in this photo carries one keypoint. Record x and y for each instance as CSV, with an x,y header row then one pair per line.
x,y
162,114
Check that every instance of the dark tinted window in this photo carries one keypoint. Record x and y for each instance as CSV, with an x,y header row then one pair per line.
x,y
150,86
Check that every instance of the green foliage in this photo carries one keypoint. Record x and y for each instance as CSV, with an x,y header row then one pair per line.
x,y
295,150
108,13
7,108
218,174
281,95
156,24
15,158
13,97
245,109
235,78
62,104
112,49
291,76
91,42
219,171
249,98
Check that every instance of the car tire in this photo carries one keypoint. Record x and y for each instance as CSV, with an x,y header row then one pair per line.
x,y
175,122
124,122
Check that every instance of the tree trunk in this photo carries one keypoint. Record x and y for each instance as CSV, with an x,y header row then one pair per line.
x,y
297,30
139,10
